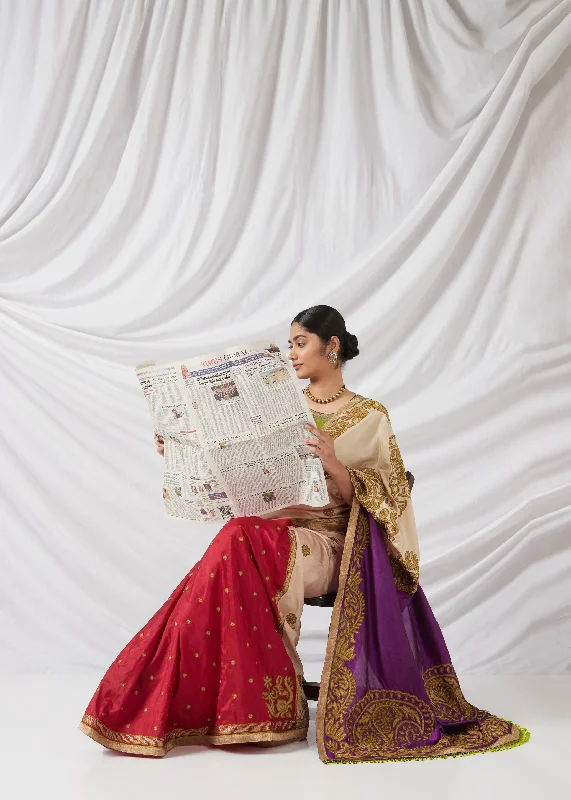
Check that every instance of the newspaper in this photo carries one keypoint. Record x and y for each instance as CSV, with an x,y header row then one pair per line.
x,y
233,426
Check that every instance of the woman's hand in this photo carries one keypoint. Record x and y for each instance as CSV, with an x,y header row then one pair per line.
x,y
160,444
324,447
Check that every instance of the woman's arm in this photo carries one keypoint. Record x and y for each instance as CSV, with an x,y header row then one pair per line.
x,y
342,480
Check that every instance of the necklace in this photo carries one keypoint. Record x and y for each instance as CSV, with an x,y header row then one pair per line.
x,y
333,397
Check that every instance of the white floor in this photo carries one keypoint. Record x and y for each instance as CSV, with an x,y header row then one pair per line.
x,y
44,755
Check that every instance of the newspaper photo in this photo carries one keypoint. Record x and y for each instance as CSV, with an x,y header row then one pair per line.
x,y
233,426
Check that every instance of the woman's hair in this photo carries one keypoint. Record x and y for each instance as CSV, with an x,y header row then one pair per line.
x,y
327,322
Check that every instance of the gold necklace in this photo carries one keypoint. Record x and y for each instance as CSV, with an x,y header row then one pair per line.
x,y
333,397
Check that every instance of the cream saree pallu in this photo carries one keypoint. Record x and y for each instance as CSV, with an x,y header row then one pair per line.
x,y
389,690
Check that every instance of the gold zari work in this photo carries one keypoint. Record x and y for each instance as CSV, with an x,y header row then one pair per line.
x,y
275,731
355,410
405,570
443,688
389,724
337,524
372,493
397,478
279,696
289,570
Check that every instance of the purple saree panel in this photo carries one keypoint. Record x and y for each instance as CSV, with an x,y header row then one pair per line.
x,y
389,690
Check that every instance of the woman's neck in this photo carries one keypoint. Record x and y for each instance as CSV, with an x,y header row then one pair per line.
x,y
326,386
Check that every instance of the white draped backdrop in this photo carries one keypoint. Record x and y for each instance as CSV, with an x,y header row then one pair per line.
x,y
176,176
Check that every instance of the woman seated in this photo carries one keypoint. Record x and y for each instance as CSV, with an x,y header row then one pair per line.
x,y
218,664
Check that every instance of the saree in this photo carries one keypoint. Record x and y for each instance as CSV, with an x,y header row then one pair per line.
x,y
389,690
218,664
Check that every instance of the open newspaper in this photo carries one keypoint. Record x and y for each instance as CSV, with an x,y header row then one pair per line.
x,y
233,426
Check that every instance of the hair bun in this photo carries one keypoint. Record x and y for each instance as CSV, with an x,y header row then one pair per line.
x,y
350,346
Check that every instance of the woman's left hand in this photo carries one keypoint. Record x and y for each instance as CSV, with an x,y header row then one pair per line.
x,y
324,447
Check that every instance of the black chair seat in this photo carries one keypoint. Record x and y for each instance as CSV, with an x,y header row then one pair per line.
x,y
323,600
311,688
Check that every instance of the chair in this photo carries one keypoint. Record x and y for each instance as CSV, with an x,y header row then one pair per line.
x,y
311,688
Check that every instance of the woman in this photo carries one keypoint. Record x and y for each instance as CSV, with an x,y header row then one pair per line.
x,y
218,662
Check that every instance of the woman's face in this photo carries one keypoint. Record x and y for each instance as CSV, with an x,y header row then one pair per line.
x,y
307,352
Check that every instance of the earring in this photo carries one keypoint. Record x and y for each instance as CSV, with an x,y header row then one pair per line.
x,y
332,357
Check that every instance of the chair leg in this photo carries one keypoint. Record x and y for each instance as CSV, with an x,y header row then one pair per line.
x,y
310,689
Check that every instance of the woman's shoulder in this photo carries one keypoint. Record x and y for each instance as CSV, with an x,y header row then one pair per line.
x,y
367,404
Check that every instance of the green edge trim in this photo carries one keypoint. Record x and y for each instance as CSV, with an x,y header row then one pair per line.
x,y
524,737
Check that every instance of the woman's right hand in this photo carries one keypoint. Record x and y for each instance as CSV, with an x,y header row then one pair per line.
x,y
160,444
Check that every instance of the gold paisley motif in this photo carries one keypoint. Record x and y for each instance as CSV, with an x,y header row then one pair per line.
x,y
397,478
305,550
389,720
443,689
291,620
389,725
279,696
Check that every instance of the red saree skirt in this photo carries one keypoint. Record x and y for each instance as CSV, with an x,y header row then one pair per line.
x,y
212,665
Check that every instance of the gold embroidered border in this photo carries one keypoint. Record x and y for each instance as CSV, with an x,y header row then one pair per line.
x,y
372,493
351,414
323,524
405,569
279,731
289,571
397,478
356,519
